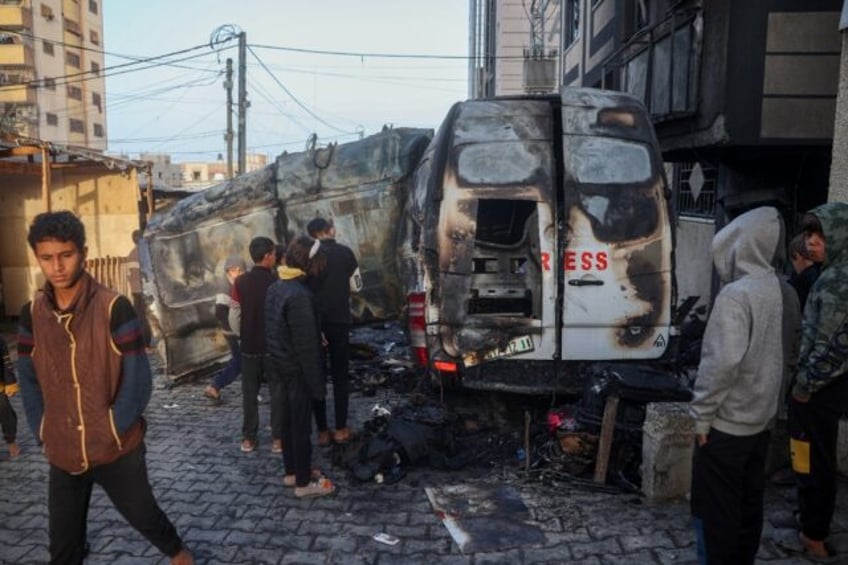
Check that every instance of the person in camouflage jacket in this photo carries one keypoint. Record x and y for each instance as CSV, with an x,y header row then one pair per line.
x,y
820,389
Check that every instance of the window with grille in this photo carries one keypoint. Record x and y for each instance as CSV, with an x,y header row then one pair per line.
x,y
96,101
98,130
74,92
696,189
95,69
47,47
77,126
94,37
51,119
92,6
73,59
49,83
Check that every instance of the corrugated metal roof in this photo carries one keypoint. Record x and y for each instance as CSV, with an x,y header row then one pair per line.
x,y
64,153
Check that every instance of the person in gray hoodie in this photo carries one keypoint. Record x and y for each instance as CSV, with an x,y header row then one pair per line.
x,y
737,390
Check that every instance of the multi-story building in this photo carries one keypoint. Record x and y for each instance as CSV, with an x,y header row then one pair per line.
x,y
514,46
51,64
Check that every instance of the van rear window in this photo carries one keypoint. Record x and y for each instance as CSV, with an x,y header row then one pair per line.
x,y
601,160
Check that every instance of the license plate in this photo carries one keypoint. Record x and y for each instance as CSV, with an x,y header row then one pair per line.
x,y
520,344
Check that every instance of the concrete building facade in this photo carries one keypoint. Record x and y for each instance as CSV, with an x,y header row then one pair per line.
x,y
51,71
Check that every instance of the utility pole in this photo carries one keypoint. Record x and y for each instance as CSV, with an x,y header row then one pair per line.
x,y
242,104
228,136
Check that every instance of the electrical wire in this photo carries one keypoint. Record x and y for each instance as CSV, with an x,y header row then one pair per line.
x,y
293,97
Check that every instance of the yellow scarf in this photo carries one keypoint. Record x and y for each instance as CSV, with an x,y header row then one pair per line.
x,y
289,273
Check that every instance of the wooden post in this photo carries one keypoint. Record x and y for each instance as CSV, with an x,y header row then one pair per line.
x,y
149,190
605,444
45,176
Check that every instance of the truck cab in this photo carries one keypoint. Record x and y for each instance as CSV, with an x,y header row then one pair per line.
x,y
536,239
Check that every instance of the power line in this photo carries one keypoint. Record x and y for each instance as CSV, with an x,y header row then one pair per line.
x,y
292,96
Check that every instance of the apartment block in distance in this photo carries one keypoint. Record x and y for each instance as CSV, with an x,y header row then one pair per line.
x,y
51,61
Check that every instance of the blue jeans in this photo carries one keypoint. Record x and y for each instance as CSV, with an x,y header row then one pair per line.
x,y
231,372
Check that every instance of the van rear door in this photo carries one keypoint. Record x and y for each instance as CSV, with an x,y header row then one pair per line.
x,y
618,282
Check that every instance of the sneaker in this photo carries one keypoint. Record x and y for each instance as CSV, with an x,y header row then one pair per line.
x,y
324,438
290,481
277,446
321,487
342,435
247,445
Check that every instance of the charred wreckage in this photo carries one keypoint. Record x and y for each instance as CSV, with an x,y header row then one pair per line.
x,y
527,246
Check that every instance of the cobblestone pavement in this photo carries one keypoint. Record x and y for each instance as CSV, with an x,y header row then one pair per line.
x,y
232,508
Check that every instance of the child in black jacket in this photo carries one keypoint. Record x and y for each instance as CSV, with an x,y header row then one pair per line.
x,y
8,387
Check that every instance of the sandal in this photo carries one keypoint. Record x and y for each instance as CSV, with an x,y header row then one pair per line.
x,y
289,480
213,394
321,487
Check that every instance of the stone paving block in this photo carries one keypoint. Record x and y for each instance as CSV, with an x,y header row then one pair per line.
x,y
500,558
609,546
425,545
684,556
560,554
643,557
657,539
341,544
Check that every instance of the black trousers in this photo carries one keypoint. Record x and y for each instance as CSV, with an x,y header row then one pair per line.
x,y
125,482
252,374
296,409
338,351
728,484
8,418
813,430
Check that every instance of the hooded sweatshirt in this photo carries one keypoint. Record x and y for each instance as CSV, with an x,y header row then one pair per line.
x,y
742,356
824,333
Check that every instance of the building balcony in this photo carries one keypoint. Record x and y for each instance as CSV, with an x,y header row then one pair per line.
x,y
659,65
16,55
16,93
15,17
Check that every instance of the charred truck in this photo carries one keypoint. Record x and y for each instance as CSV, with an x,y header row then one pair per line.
x,y
537,243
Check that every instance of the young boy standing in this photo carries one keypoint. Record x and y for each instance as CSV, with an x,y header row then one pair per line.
x,y
737,390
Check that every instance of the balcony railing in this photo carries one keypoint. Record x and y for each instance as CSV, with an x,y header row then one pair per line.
x,y
659,65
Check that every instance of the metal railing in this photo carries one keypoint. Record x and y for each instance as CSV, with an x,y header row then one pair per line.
x,y
112,272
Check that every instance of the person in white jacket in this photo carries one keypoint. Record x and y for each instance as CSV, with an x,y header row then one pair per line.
x,y
737,390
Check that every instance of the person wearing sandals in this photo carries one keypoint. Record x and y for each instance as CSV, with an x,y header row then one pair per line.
x,y
293,345
333,288
233,268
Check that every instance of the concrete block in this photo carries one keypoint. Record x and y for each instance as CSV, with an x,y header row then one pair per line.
x,y
667,441
842,448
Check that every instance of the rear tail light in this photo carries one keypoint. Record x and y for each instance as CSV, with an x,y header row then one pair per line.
x,y
445,366
417,327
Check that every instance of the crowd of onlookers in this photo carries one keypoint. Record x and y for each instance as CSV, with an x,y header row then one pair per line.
x,y
771,347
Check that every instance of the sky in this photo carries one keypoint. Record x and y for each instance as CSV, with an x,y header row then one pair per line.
x,y
397,62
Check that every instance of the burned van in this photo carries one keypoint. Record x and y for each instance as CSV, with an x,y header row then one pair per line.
x,y
537,240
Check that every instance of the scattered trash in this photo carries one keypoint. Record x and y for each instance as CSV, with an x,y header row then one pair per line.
x,y
385,538
380,411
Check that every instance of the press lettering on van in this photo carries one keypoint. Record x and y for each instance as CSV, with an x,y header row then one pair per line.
x,y
588,261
